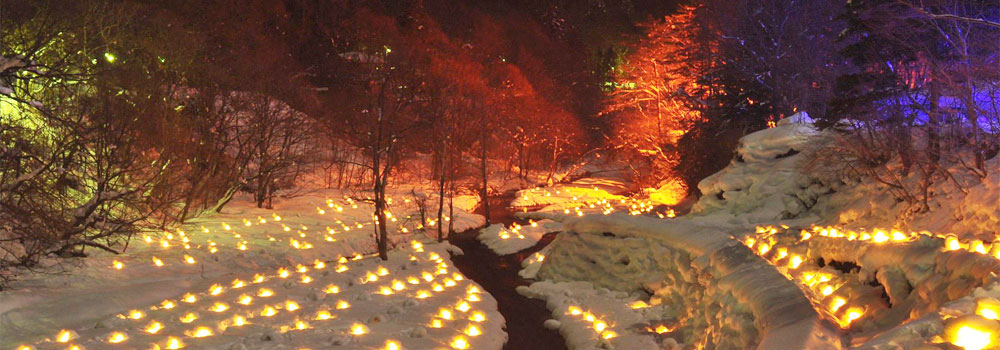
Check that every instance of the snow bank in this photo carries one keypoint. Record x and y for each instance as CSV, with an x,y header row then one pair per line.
x,y
765,182
709,290
503,240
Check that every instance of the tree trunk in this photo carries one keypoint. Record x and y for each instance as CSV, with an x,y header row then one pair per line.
x,y
482,169
441,182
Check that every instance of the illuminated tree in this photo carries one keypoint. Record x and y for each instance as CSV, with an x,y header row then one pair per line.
x,y
652,99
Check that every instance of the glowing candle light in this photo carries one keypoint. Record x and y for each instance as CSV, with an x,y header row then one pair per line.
x,y
473,331
323,315
219,307
268,311
436,323
215,289
463,306
264,293
291,305
117,265
341,304
65,336
237,283
173,343
153,327
445,314
157,262
359,329
200,332
245,299
188,317
189,298
168,304
423,294
332,289
136,314
477,317
459,343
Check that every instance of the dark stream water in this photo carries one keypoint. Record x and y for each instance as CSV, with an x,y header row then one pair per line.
x,y
498,276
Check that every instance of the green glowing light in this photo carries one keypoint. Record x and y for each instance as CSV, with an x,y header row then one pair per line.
x,y
110,57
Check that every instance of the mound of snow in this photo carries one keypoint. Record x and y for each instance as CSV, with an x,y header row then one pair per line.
x,y
765,182
503,240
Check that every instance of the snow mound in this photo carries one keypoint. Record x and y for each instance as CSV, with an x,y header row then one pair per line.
x,y
703,287
503,240
765,182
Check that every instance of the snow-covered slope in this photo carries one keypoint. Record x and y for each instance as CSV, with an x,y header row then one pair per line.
x,y
277,272
704,289
765,182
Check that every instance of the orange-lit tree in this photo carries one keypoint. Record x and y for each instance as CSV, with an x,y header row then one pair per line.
x,y
652,97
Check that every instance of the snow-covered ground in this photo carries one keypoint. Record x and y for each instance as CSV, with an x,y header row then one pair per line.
x,y
300,275
932,287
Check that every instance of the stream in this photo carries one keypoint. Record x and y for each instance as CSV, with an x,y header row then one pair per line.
x,y
498,275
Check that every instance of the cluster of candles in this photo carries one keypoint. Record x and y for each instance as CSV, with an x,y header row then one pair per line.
x,y
821,285
601,328
974,332
216,303
606,203
299,240
438,280
515,230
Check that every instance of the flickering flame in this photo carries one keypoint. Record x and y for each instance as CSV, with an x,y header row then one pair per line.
x,y
117,337
463,306
200,332
157,262
154,327
264,293
342,305
477,317
268,311
459,343
332,289
359,329
970,338
639,304
188,259
445,314
423,294
135,314
188,317
215,289
189,298
473,331
291,305
392,345
219,307
239,321
118,265
173,343
245,299
65,336
323,315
